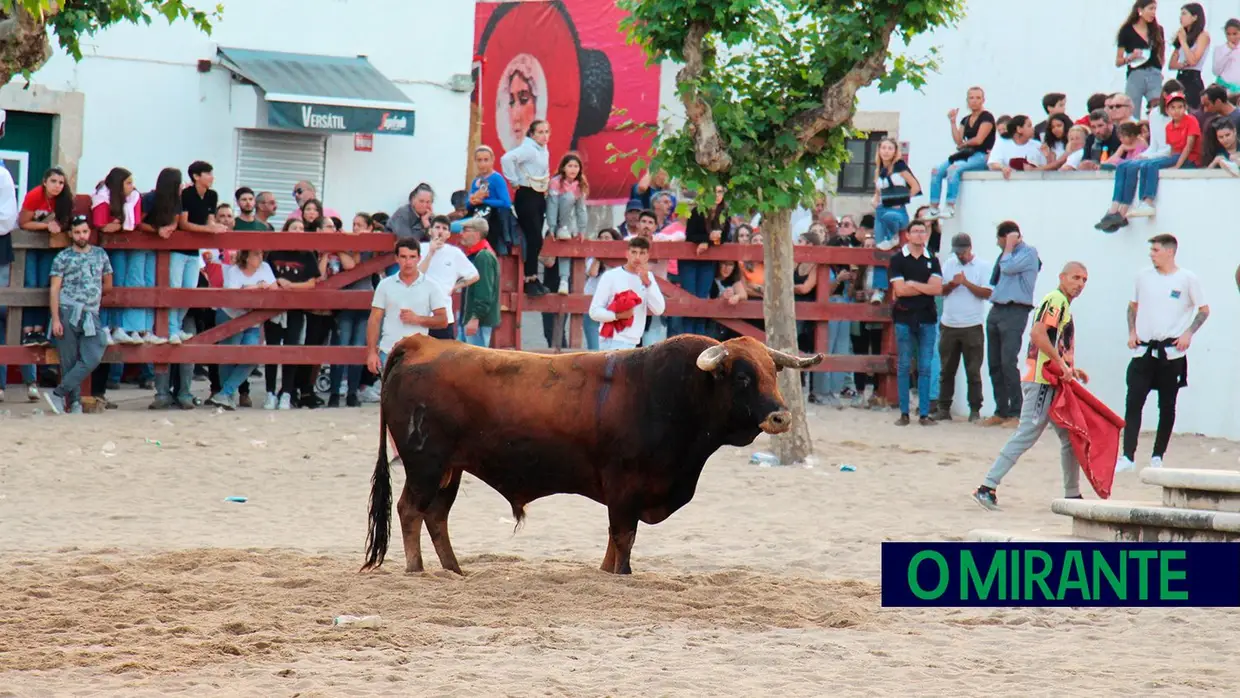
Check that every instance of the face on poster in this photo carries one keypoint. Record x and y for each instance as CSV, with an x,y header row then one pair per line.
x,y
566,62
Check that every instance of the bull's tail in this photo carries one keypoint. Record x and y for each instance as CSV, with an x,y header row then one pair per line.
x,y
381,486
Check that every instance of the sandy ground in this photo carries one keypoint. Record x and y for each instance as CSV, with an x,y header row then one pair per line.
x,y
125,573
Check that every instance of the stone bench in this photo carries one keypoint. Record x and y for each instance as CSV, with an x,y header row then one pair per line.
x,y
1191,488
1146,522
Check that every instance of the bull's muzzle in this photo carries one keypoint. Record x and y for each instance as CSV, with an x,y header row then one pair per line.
x,y
777,422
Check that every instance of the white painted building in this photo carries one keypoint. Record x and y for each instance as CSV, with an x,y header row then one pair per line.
x,y
140,99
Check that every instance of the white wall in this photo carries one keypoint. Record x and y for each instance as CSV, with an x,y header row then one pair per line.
x,y
1017,52
1056,213
147,107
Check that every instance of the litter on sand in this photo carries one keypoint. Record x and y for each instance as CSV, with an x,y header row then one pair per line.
x,y
846,468
238,500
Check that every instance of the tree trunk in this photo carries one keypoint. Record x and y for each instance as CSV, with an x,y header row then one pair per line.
x,y
781,331
23,43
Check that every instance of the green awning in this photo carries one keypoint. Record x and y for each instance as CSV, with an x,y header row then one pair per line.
x,y
326,94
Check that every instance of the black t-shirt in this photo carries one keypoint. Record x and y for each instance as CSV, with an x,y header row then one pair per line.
x,y
971,131
1040,129
296,266
197,208
1094,146
914,310
893,186
1130,41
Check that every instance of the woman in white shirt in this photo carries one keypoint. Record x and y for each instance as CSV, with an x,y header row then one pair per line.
x,y
1191,49
527,168
1017,150
249,272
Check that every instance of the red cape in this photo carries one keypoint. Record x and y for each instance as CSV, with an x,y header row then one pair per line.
x,y
625,300
1092,427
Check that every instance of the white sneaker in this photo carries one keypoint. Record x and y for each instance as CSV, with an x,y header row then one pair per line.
x,y
32,393
271,402
120,336
54,402
155,339
1141,210
887,244
172,339
932,213
948,213
563,233
1156,462
286,402
185,336
1123,465
1,396
563,287
107,334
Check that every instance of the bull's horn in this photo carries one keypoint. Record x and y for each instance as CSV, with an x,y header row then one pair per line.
x,y
783,360
709,360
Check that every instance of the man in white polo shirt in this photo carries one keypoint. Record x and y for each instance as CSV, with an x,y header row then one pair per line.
x,y
1167,308
447,266
966,286
404,304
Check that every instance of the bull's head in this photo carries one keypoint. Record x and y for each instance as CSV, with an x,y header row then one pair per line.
x,y
750,368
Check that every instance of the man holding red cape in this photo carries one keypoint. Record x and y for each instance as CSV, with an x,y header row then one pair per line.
x,y
1052,340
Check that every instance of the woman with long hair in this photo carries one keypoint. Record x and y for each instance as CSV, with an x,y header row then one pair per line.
x,y
248,272
1140,46
297,269
116,207
48,208
527,168
351,324
1191,47
566,209
894,186
1017,150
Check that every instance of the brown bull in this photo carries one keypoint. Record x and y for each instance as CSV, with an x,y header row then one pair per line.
x,y
629,429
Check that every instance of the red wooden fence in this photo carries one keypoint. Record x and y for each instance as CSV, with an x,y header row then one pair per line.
x,y
329,295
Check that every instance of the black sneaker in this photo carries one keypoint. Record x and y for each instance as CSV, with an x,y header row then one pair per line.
x,y
1075,497
160,403
334,400
534,289
987,498
310,402
1109,223
974,416
351,400
903,421
34,339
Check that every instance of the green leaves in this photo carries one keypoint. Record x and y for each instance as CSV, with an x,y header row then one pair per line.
x,y
78,18
767,63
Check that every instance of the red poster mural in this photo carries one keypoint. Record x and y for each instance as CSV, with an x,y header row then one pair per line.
x,y
566,61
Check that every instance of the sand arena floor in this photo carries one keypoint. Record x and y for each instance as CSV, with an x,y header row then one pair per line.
x,y
127,574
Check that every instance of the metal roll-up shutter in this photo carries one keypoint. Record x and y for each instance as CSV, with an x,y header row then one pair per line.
x,y
275,161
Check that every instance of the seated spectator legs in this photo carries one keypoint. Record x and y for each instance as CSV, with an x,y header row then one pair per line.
x,y
183,273
232,377
952,172
112,317
1130,175
350,332
139,273
888,222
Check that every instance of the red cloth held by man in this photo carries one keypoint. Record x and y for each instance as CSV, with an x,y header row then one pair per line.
x,y
625,300
1093,428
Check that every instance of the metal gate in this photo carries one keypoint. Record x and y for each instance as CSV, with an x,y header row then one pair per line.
x,y
274,161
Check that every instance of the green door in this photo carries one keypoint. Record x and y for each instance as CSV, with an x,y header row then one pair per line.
x,y
30,133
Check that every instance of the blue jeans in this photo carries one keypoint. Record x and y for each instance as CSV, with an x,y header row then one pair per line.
x,y
1130,172
350,332
888,222
696,278
953,171
182,273
132,269
28,374
38,275
590,329
926,335
232,376
481,338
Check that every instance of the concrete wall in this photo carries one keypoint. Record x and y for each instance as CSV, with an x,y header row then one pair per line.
x,y
1057,213
147,107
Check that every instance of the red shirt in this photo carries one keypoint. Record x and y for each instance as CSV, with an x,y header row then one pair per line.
x,y
36,202
1177,137
1083,121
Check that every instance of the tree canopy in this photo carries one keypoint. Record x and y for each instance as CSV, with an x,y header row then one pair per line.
x,y
769,86
25,26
